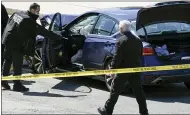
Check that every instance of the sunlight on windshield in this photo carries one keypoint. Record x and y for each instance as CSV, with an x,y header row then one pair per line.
x,y
158,28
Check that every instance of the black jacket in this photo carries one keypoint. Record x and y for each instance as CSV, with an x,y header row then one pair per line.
x,y
21,31
128,52
4,18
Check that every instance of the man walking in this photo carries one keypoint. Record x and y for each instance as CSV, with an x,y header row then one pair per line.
x,y
19,39
128,55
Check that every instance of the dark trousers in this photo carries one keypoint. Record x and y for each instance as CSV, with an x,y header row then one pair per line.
x,y
118,86
15,57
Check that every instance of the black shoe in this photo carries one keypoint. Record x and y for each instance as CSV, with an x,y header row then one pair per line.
x,y
144,113
20,88
103,111
5,85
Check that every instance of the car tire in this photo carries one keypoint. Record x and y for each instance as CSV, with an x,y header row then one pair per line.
x,y
38,63
187,84
108,79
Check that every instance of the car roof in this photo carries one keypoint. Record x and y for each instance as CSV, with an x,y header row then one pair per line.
x,y
119,13
61,14
65,18
130,13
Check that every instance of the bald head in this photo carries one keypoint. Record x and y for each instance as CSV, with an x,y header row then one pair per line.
x,y
124,26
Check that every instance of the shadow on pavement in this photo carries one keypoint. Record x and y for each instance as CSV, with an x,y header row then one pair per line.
x,y
25,82
73,84
28,82
164,93
170,93
47,94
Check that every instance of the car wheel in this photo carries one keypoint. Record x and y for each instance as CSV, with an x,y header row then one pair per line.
x,y
109,78
187,84
38,65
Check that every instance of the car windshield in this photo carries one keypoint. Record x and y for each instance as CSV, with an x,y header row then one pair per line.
x,y
163,27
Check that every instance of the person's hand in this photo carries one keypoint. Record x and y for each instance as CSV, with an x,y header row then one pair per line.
x,y
60,35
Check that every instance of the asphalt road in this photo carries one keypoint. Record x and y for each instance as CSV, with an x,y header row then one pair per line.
x,y
84,96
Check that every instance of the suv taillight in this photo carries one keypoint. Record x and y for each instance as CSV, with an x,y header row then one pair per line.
x,y
148,51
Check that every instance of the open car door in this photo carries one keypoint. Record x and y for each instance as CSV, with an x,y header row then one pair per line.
x,y
54,48
59,52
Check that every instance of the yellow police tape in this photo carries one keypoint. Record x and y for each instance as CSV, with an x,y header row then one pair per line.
x,y
98,72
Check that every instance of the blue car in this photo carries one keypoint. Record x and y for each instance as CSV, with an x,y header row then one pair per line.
x,y
164,29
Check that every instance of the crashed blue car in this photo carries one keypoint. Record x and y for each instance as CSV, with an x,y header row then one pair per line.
x,y
164,29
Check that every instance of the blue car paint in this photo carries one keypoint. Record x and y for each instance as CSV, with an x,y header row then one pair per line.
x,y
95,51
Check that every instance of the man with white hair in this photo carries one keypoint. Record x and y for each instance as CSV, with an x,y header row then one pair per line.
x,y
128,54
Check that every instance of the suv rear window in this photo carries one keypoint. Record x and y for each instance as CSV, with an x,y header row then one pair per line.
x,y
162,27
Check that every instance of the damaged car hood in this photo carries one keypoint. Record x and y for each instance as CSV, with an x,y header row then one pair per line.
x,y
164,13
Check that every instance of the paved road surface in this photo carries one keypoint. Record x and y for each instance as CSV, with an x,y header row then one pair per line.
x,y
71,96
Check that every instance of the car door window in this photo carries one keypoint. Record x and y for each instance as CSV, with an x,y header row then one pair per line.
x,y
84,26
56,23
115,29
104,26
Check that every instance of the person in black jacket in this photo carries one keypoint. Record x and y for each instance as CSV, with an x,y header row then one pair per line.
x,y
4,20
128,55
19,39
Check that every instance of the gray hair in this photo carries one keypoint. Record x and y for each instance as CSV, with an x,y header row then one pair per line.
x,y
124,26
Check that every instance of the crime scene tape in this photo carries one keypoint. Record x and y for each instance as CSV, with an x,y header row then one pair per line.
x,y
98,72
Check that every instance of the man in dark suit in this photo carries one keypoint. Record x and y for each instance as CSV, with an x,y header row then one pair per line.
x,y
19,39
4,20
128,55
